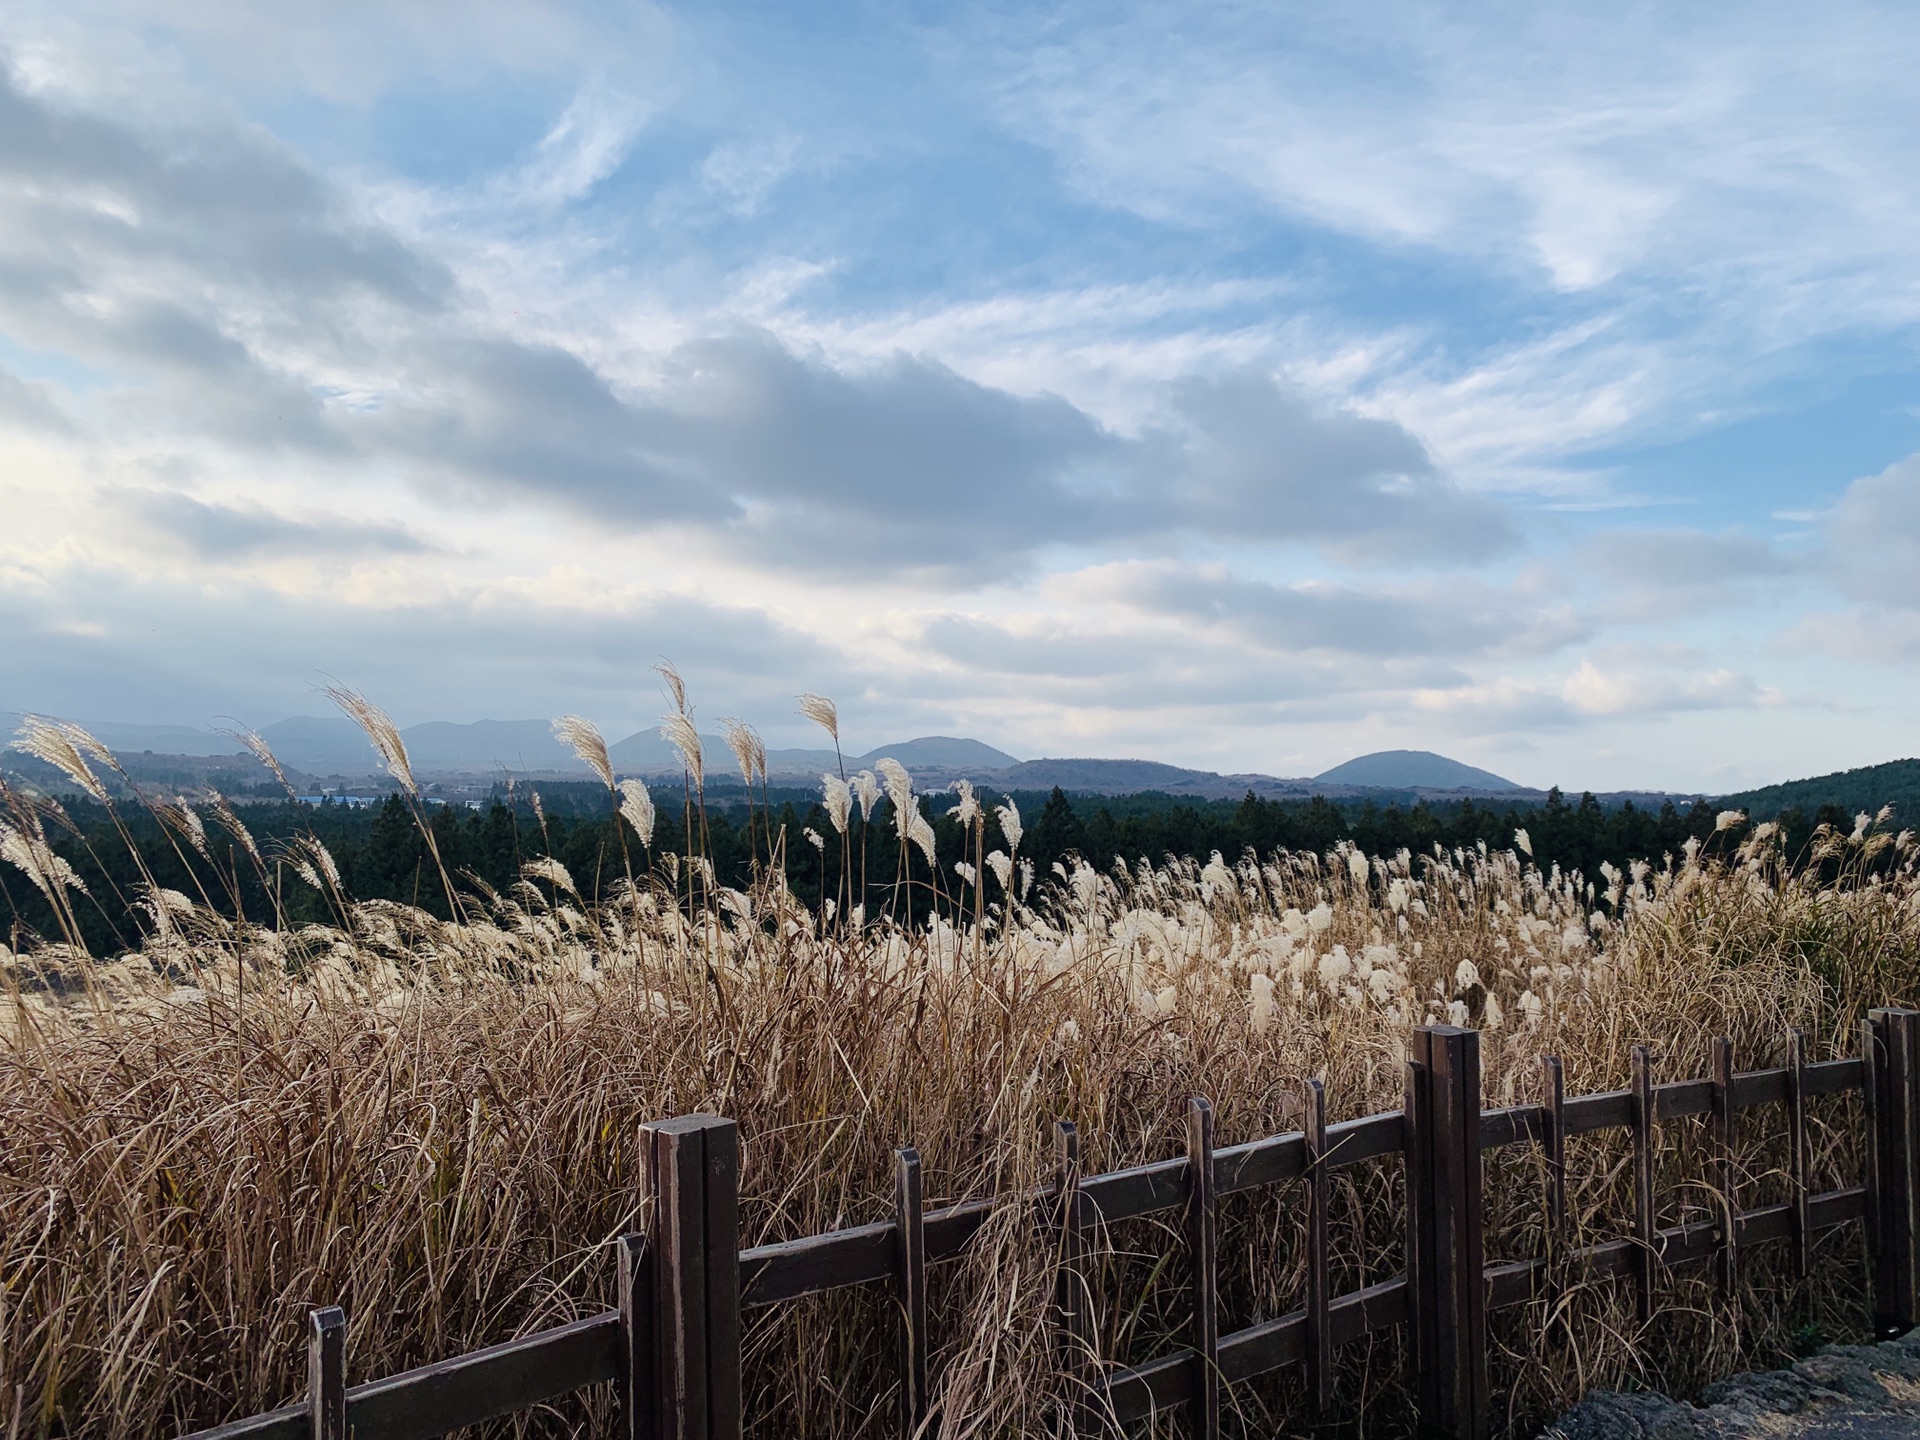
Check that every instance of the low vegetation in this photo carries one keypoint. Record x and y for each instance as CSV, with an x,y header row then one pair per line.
x,y
429,1118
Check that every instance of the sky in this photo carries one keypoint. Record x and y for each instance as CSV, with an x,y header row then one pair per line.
x,y
1239,387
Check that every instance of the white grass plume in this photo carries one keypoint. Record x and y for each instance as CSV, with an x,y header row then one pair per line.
x,y
262,752
65,746
867,787
664,669
899,791
315,863
968,810
1001,864
1009,814
32,854
920,832
748,752
637,806
588,743
837,798
223,809
380,730
677,730
189,824
823,712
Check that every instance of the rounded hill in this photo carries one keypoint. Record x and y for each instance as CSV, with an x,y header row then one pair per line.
x,y
1414,770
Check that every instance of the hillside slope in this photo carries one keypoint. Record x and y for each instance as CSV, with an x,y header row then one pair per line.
x,y
1897,783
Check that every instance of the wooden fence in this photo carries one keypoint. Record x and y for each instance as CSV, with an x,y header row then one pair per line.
x,y
673,1346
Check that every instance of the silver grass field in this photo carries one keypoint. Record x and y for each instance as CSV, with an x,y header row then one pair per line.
x,y
432,1122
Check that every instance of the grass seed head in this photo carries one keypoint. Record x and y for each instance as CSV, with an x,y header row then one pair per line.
x,y
821,710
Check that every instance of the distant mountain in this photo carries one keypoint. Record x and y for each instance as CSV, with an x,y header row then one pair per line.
x,y
944,752
646,753
334,745
1111,777
802,761
161,739
321,745
1868,788
440,746
1413,770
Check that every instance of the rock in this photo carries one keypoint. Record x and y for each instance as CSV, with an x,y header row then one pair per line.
x,y
1837,1393
1846,1369
1778,1392
1614,1415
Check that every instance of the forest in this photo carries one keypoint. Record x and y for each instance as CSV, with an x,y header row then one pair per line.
x,y
382,852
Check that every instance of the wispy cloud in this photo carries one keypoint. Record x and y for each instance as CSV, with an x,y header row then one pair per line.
x,y
1246,385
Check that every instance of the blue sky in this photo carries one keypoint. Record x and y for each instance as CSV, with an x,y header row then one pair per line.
x,y
1246,387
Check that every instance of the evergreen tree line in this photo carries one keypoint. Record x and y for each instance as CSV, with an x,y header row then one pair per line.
x,y
382,853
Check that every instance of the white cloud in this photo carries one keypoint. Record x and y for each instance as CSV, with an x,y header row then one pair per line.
x,y
1209,454
1873,538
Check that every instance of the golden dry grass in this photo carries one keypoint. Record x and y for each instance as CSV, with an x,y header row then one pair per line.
x,y
432,1123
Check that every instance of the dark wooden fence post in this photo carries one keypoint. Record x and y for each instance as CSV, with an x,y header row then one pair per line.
x,y
693,1170
327,1373
1895,1131
1797,1127
1553,1149
638,1403
1319,1194
910,1288
1072,1299
1647,1253
1726,1178
1202,1250
1447,1259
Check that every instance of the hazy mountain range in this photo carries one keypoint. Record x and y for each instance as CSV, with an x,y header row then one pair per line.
x,y
333,749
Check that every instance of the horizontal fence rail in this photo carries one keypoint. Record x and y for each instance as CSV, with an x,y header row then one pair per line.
x,y
672,1348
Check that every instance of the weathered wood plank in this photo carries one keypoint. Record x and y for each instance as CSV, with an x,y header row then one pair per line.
x,y
327,1373
1261,1163
1203,1256
720,1239
468,1389
1451,1380
1073,1298
639,1406
1727,1258
1165,1383
1351,1141
1319,1196
1677,1099
858,1255
1836,1207
1896,1144
1513,1282
1553,1140
1643,1116
1514,1125
1140,1190
910,1288
1761,1087
1800,1161
1835,1077
290,1422
1607,1110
